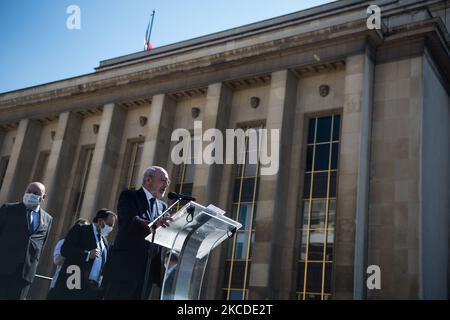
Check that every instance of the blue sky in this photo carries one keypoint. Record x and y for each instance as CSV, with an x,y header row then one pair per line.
x,y
36,47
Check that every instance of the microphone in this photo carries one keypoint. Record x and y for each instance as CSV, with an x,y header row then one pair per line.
x,y
177,196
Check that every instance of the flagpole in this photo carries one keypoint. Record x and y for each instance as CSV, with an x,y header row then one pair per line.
x,y
151,25
148,34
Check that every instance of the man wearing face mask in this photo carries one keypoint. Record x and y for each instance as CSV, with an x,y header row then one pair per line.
x,y
136,264
85,248
24,227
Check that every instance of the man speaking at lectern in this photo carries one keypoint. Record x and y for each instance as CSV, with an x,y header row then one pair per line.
x,y
128,275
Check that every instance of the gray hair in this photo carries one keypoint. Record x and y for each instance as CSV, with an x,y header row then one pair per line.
x,y
150,172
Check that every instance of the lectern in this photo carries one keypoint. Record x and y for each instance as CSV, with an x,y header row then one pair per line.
x,y
195,231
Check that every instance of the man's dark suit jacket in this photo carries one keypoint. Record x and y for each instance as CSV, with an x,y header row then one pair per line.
x,y
19,246
130,251
75,249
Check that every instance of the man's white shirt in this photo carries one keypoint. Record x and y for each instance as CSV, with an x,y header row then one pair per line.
x,y
158,203
97,265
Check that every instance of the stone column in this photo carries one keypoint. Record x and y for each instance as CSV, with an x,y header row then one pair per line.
x,y
59,166
60,161
362,200
104,161
270,246
352,191
21,161
216,115
160,125
208,178
397,160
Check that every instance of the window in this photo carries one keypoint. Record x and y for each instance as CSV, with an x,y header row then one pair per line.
x,y
239,255
132,164
41,166
81,178
319,209
3,166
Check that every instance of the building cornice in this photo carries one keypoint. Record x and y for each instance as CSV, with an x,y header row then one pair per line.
x,y
205,63
141,79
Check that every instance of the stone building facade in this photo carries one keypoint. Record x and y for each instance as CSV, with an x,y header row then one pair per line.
x,y
364,124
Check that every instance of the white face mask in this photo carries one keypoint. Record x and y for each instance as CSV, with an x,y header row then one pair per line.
x,y
31,200
106,230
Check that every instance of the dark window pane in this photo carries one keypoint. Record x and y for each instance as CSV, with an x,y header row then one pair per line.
x,y
303,246
316,242
248,186
241,246
250,170
314,277
237,277
320,185
336,127
256,191
309,158
330,242
239,171
328,270
305,220
251,160
334,155
307,187
236,295
321,157
311,296
318,214
331,213
323,129
332,184
237,187
300,276
245,213
311,130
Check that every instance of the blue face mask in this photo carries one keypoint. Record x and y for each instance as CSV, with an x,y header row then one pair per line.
x,y
31,200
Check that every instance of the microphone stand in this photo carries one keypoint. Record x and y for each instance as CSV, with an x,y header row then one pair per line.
x,y
149,261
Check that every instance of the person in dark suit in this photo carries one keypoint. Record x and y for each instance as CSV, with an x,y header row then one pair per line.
x,y
24,228
58,260
85,252
135,263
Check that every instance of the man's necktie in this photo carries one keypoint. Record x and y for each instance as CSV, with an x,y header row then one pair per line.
x,y
152,209
29,220
102,249
33,220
